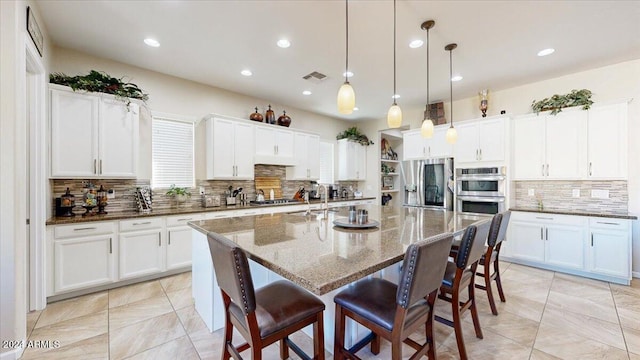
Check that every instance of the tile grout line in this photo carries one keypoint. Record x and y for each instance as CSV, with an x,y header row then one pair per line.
x,y
615,305
544,308
108,325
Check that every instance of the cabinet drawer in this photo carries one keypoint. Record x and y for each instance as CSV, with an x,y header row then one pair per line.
x,y
179,220
84,229
545,218
217,215
608,223
141,224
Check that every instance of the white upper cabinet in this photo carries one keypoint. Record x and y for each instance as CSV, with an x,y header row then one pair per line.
x,y
92,135
274,145
572,145
307,157
417,147
413,145
480,141
230,149
352,160
607,142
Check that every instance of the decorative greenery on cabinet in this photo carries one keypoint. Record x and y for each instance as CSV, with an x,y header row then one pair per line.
x,y
557,102
354,134
99,81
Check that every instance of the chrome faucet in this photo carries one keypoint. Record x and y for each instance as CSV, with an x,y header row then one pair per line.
x,y
326,201
308,212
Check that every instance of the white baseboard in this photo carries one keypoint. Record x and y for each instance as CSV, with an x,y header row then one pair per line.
x,y
11,355
635,274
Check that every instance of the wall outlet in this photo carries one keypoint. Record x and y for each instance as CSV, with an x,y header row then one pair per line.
x,y
111,194
201,190
531,192
575,193
600,194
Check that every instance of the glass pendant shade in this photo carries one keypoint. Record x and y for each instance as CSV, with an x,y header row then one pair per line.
x,y
452,135
427,129
394,116
346,99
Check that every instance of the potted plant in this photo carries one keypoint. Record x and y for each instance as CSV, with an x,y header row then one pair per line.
x,y
179,194
557,102
353,134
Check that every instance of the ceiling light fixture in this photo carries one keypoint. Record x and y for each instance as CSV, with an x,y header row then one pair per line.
x,y
152,42
283,43
346,95
546,52
452,134
416,44
246,72
427,124
394,115
306,92
456,78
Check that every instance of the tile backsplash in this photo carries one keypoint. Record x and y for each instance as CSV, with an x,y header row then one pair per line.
x,y
125,199
558,195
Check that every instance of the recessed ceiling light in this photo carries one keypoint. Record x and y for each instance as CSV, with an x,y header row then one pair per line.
x,y
347,74
396,96
306,92
284,43
355,108
151,42
456,78
546,52
416,44
246,72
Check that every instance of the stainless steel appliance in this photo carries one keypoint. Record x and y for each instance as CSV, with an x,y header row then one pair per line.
x,y
481,190
429,183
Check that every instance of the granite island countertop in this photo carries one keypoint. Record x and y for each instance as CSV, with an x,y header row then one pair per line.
x,y
123,215
579,213
321,257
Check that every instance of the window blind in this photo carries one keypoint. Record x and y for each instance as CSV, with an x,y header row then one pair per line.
x,y
326,163
172,153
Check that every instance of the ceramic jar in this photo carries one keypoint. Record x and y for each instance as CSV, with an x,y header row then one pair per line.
x,y
284,119
256,116
270,116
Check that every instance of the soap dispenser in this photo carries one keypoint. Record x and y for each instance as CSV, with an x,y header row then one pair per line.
x,y
271,195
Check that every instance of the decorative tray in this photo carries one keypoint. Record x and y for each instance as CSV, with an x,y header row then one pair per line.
x,y
346,224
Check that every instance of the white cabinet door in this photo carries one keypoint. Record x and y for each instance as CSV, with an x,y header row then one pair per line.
x,y
467,147
313,156
491,139
74,134
361,162
565,246
265,141
352,158
526,240
83,262
438,145
140,253
119,128
284,143
244,140
307,159
528,148
566,145
607,142
178,247
610,247
414,146
274,145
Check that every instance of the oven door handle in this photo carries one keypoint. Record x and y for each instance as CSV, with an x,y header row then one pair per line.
x,y
481,198
481,178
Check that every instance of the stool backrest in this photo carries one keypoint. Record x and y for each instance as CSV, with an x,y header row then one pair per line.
x,y
232,271
472,244
423,268
504,224
494,230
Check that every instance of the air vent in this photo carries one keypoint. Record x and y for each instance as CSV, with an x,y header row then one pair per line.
x,y
315,76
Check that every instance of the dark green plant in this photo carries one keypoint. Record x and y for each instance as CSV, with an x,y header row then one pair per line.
x,y
98,81
354,134
557,102
174,190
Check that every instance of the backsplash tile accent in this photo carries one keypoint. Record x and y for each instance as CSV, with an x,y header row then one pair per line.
x,y
557,195
125,189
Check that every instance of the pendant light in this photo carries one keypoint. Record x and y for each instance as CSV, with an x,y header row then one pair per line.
x,y
427,124
452,134
394,115
346,95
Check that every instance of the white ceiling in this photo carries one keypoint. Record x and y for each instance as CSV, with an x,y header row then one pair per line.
x,y
212,41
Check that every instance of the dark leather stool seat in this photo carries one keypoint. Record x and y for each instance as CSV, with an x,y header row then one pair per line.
x,y
394,311
267,315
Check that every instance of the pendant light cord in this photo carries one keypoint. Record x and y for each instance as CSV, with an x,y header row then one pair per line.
x,y
394,52
346,66
427,116
451,86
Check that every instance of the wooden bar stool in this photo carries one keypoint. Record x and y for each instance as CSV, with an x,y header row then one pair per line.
x,y
497,234
266,315
460,275
395,312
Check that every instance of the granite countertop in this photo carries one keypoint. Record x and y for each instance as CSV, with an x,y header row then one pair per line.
x,y
579,213
321,257
123,215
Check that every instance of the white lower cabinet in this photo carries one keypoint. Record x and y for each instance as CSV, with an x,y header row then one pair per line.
x,y
593,247
83,255
179,240
140,248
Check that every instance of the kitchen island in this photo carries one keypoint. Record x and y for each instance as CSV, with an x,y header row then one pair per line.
x,y
313,253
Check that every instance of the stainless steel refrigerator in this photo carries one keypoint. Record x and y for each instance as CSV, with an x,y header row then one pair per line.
x,y
429,183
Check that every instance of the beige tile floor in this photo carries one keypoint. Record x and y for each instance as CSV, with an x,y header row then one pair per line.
x,y
547,315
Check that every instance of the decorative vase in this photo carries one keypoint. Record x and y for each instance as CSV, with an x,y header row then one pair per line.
x,y
270,116
256,116
284,119
484,101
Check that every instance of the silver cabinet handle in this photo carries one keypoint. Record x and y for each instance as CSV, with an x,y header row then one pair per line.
x,y
590,167
100,166
142,223
159,239
546,233
544,218
95,167
429,151
185,219
480,154
547,169
110,246
85,228
591,239
169,237
541,234
542,169
477,155
607,223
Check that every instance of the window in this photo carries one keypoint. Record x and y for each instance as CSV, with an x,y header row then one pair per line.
x,y
172,152
326,163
